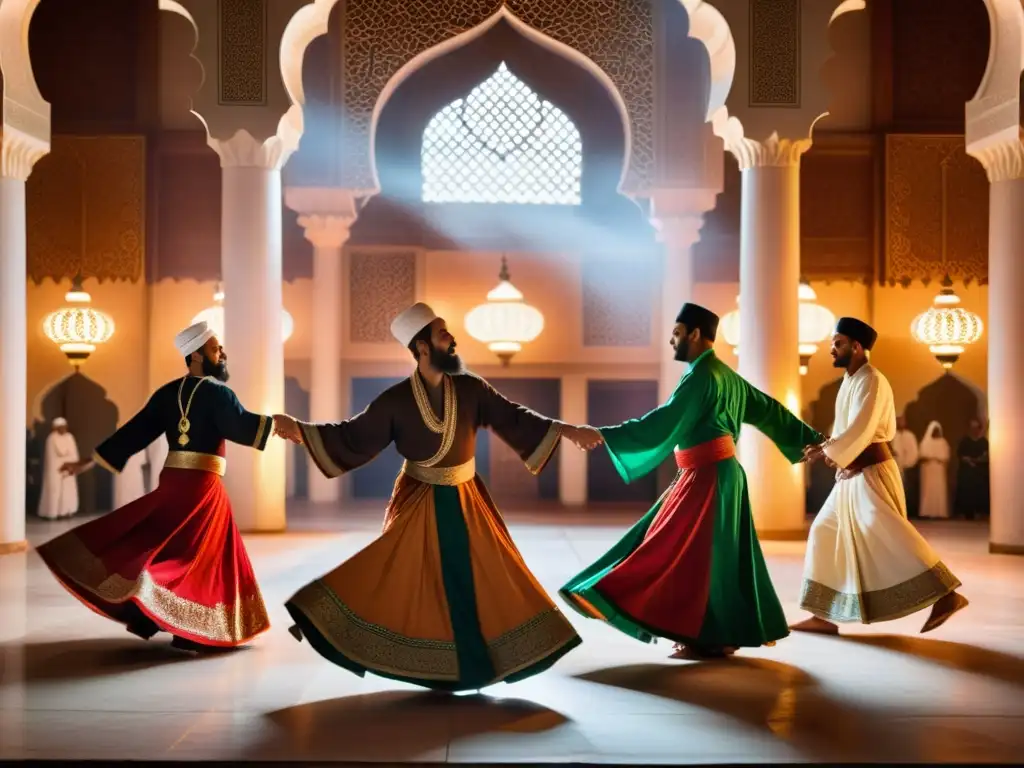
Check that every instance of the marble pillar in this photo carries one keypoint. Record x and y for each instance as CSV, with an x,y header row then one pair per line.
x,y
770,321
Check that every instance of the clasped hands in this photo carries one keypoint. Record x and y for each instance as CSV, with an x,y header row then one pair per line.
x,y
584,437
287,427
813,453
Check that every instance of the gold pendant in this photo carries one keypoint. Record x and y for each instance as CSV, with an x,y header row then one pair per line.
x,y
183,440
184,425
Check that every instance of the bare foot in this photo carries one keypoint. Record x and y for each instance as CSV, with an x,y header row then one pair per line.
x,y
816,625
943,610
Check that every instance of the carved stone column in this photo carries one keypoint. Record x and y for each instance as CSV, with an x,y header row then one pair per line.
x,y
327,216
252,279
1004,163
770,319
572,463
20,152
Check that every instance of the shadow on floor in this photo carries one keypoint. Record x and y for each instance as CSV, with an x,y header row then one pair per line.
x,y
394,725
84,659
967,658
766,695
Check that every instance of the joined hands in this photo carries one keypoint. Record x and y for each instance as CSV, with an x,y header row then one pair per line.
x,y
287,427
584,437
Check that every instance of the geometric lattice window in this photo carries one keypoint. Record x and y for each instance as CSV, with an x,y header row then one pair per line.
x,y
502,144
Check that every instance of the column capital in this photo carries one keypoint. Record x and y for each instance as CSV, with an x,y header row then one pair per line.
x,y
326,231
678,214
243,150
19,152
325,213
772,152
1002,160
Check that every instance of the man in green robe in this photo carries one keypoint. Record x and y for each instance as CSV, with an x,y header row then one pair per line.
x,y
691,570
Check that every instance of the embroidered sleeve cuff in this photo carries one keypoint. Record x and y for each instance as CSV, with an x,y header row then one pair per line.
x,y
263,431
104,463
545,450
315,447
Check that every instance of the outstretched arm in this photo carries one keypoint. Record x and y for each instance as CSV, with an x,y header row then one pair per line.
x,y
790,435
113,453
237,424
532,436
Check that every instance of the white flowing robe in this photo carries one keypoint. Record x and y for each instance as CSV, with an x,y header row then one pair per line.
x,y
934,475
59,496
865,561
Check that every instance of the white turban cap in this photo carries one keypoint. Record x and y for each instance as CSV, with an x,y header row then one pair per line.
x,y
192,338
411,321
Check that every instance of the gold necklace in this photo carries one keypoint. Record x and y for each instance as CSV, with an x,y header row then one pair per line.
x,y
444,428
184,425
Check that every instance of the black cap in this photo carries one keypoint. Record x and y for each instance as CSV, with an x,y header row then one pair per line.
x,y
696,316
857,330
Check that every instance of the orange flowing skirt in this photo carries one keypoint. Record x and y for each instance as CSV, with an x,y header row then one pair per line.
x,y
173,559
442,599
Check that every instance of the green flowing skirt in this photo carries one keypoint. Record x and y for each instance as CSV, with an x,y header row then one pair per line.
x,y
690,570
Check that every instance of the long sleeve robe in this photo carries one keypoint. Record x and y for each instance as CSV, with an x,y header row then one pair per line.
x,y
393,416
59,497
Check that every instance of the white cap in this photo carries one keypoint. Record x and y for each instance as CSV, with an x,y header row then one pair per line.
x,y
60,421
192,338
412,321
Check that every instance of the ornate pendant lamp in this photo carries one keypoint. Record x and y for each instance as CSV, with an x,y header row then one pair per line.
x,y
506,321
214,317
946,328
78,328
816,324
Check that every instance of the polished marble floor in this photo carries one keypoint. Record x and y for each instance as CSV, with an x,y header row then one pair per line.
x,y
73,685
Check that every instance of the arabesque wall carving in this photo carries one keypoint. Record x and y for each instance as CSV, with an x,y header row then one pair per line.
x,y
380,36
86,209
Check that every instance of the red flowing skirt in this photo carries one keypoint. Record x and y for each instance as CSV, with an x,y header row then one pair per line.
x,y
175,555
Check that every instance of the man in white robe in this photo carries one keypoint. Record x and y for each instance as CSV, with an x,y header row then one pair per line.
x,y
865,561
59,496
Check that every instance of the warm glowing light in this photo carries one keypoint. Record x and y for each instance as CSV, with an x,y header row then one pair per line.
x,y
816,325
946,328
78,329
214,317
505,322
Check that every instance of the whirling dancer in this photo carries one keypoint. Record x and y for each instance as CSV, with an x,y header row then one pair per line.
x,y
173,560
865,561
691,570
443,598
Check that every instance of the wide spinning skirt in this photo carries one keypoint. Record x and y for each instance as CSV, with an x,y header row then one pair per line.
x,y
691,570
865,560
442,599
173,558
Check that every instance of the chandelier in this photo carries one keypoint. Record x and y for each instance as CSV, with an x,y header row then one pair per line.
x,y
505,322
214,317
816,325
946,328
78,328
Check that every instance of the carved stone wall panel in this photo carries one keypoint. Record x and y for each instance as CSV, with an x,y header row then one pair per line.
x,y
380,36
86,209
913,210
383,283
775,53
242,47
618,300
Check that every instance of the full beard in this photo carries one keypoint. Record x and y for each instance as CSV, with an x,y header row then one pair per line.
x,y
682,354
219,371
841,361
445,361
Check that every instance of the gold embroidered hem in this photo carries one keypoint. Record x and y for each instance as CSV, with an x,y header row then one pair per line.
x,y
105,464
879,605
381,650
204,462
315,447
457,475
259,432
537,460
232,624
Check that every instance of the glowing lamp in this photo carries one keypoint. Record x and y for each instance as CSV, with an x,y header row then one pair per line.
x,y
505,322
77,329
214,317
946,328
816,325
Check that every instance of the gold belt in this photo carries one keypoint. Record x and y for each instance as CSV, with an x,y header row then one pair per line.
x,y
457,475
204,462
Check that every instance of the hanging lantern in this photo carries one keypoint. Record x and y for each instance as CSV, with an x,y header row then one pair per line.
x,y
946,328
505,322
78,328
816,325
214,317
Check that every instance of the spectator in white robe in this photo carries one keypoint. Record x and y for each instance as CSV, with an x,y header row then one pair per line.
x,y
59,497
934,459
